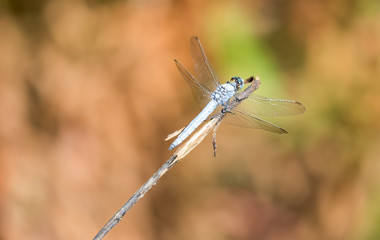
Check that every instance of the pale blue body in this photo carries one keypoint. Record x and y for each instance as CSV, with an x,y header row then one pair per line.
x,y
209,93
220,97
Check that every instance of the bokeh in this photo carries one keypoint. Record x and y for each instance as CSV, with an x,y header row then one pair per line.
x,y
89,90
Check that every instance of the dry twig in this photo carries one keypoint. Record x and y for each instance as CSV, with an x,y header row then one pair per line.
x,y
181,152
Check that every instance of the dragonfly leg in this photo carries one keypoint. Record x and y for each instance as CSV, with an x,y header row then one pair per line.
x,y
214,138
224,110
237,99
214,143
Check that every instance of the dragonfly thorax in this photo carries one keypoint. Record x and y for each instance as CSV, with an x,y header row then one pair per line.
x,y
223,93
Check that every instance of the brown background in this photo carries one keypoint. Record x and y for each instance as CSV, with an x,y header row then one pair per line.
x,y
89,90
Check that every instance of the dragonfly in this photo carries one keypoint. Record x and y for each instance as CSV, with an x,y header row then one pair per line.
x,y
210,94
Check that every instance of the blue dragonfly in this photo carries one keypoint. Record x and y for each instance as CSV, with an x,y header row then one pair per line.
x,y
210,95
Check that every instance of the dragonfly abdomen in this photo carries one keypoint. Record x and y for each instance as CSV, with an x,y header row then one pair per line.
x,y
195,123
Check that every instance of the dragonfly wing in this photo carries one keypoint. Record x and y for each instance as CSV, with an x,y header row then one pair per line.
x,y
241,119
263,106
201,93
203,69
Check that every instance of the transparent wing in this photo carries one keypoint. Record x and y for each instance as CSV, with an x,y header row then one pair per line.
x,y
202,67
241,119
263,106
201,93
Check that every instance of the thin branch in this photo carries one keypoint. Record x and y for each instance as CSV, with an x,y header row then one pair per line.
x,y
138,194
181,152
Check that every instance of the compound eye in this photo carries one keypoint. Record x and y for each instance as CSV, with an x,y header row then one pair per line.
x,y
240,83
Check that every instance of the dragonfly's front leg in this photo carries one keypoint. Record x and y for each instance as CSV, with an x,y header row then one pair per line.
x,y
236,98
224,110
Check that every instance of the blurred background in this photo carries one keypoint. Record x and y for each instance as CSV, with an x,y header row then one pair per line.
x,y
89,90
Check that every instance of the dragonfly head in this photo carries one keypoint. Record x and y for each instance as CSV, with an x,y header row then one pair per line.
x,y
238,81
